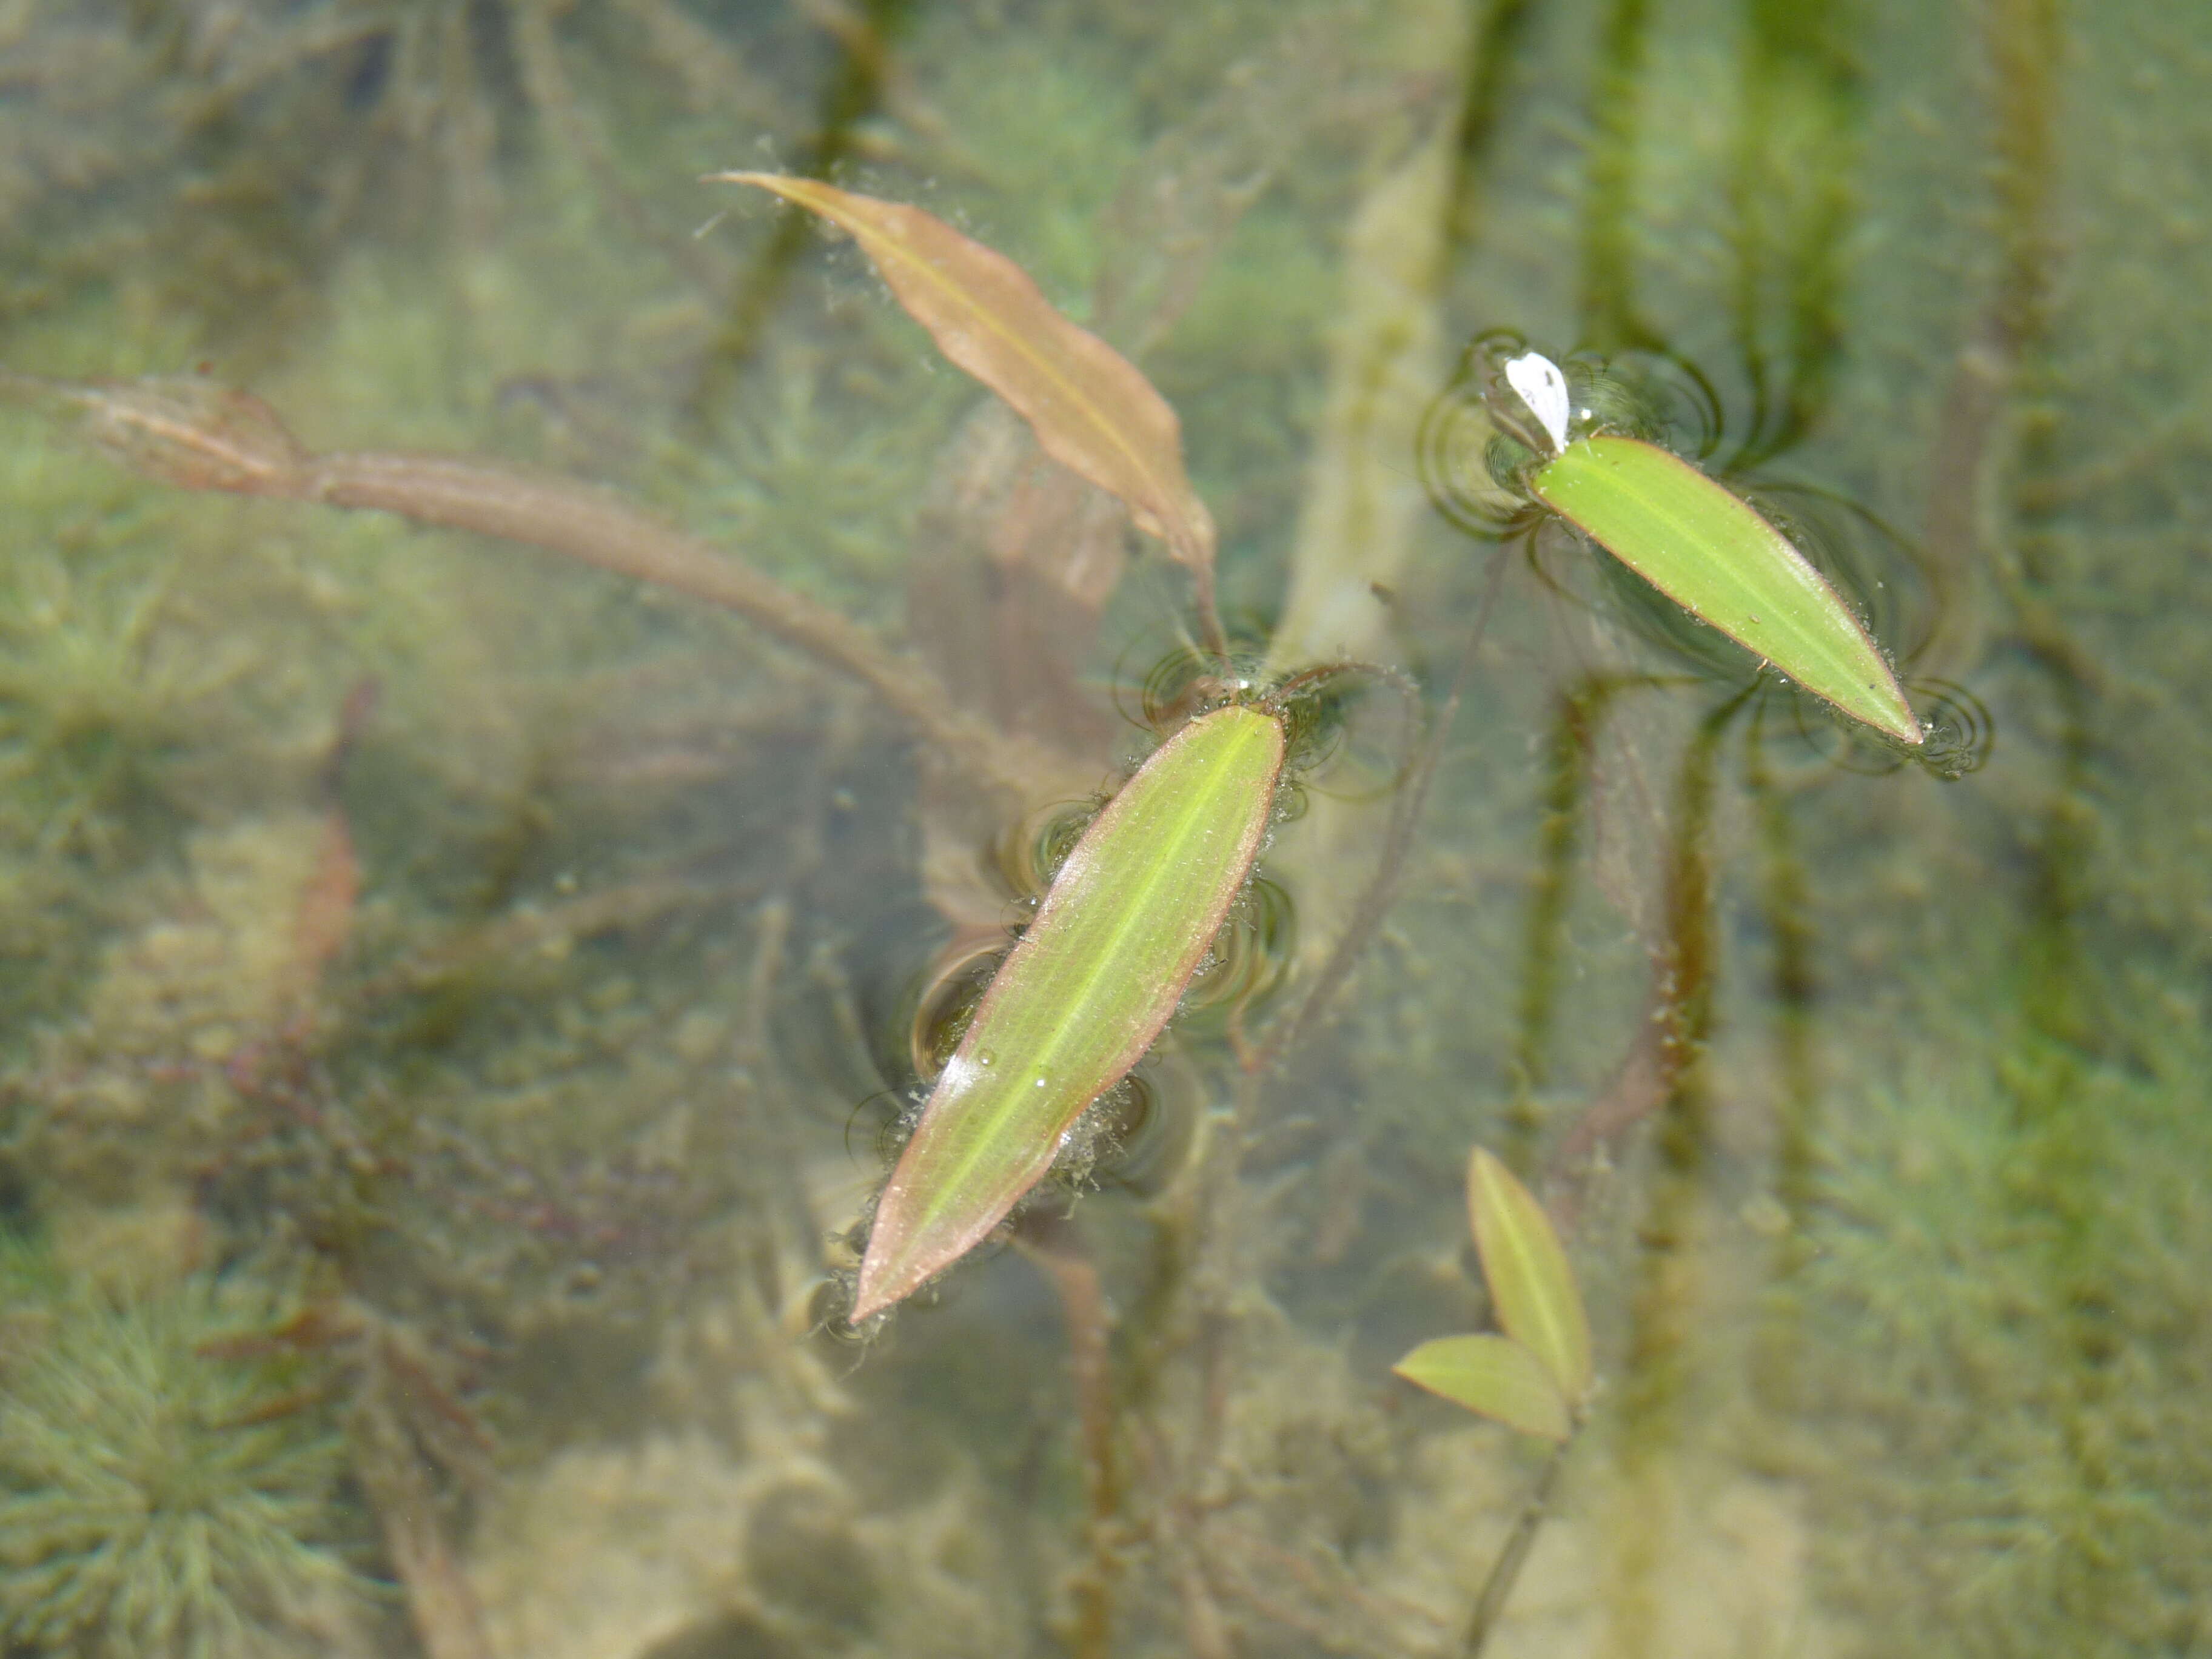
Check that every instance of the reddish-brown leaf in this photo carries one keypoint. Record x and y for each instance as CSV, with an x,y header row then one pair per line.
x,y
1091,409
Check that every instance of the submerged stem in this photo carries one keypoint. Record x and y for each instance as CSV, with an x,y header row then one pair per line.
x,y
1506,1571
198,435
1375,899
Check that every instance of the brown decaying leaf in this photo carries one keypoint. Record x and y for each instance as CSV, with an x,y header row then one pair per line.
x,y
1091,409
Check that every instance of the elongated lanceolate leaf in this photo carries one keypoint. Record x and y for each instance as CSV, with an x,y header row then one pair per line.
x,y
1709,551
1092,410
1528,1273
1495,1376
1083,994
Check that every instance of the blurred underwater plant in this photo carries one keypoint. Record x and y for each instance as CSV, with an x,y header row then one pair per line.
x,y
250,138
164,1500
92,692
1536,1377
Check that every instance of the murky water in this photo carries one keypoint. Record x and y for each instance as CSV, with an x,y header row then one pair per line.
x,y
455,1000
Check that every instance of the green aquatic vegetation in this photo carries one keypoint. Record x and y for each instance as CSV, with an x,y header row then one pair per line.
x,y
1690,536
1537,1378
2000,1343
1096,976
92,691
164,1500
1467,854
425,477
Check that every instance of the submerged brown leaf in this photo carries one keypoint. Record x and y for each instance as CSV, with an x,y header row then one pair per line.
x,y
1092,410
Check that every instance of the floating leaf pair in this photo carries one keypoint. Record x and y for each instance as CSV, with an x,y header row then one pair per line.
x,y
1138,904
1701,545
1536,1377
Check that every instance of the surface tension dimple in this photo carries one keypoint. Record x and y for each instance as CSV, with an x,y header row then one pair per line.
x,y
1537,381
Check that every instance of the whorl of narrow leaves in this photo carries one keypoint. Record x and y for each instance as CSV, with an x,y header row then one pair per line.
x,y
1082,996
1712,554
1091,409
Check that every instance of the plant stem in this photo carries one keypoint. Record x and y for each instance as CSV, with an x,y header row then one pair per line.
x,y
1374,903
198,435
1052,1244
1506,1571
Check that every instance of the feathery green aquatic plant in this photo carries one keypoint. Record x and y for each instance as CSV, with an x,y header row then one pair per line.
x,y
162,1498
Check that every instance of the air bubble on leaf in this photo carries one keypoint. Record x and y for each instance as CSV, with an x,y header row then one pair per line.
x,y
1542,389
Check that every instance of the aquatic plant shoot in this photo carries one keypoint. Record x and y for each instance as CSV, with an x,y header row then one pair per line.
x,y
1124,928
1534,1377
1703,546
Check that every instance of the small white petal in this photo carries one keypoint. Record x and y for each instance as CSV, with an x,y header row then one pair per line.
x,y
1537,378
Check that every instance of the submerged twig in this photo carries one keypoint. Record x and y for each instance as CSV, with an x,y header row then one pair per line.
x,y
1655,1074
198,435
2022,39
1506,1571
1176,1536
1052,1244
1382,889
396,1478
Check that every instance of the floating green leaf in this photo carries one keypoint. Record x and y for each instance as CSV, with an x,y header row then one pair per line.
x,y
1084,994
1495,1376
1093,410
1529,1280
1708,550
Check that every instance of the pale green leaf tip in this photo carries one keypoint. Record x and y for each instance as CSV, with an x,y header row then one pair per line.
x,y
1907,727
